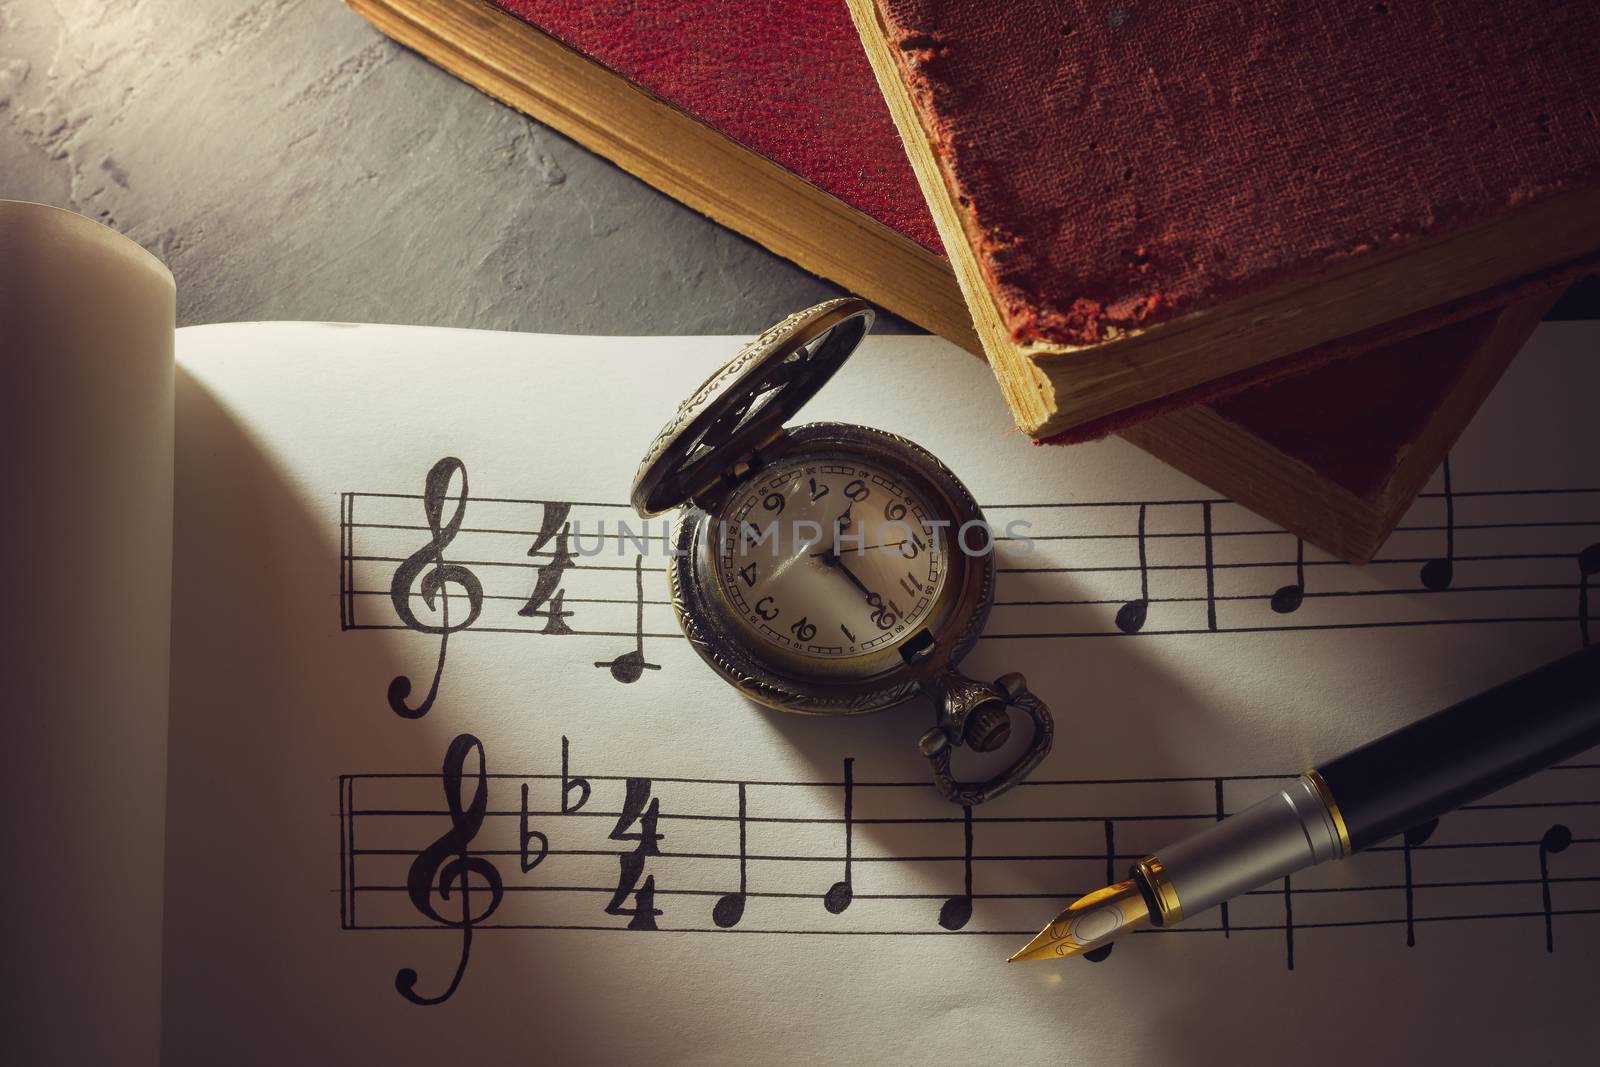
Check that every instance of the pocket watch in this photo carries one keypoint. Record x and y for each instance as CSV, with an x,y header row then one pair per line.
x,y
827,568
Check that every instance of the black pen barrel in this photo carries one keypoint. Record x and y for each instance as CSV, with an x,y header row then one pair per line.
x,y
1467,751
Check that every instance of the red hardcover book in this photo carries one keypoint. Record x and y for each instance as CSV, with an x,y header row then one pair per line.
x,y
767,118
1141,201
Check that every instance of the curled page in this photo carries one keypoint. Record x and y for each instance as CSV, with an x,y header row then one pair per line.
x,y
86,327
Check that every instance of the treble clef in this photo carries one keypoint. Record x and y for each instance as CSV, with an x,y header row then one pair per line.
x,y
447,863
430,558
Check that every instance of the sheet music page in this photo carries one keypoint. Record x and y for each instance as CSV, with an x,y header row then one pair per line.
x,y
400,667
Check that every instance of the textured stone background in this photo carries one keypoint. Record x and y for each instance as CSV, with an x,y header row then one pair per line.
x,y
289,162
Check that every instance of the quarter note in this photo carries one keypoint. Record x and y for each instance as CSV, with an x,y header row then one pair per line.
x,y
957,910
1131,616
1555,840
1288,920
448,866
1437,574
1414,838
1588,567
630,666
842,892
1222,813
1288,598
1103,953
437,576
729,909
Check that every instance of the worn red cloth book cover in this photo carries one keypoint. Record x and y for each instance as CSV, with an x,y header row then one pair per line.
x,y
1122,165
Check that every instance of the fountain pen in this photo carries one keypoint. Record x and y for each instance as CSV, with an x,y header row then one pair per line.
x,y
1401,780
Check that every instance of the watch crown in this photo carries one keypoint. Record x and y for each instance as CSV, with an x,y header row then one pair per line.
x,y
988,728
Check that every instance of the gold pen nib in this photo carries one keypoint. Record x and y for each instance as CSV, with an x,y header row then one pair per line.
x,y
1088,923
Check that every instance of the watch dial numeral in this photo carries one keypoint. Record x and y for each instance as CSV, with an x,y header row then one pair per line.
x,y
857,490
910,585
884,617
818,491
803,630
774,503
847,633
749,574
767,608
895,511
911,547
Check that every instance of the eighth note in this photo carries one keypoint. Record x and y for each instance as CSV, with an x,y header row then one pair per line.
x,y
1555,840
1437,574
957,910
729,909
1288,598
842,892
1131,616
630,666
435,583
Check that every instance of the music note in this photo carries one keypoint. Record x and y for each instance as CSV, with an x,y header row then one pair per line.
x,y
957,910
1131,616
1414,838
1555,840
1222,813
1288,920
841,893
729,908
630,666
1103,953
1288,598
435,583
1588,567
1437,574
447,862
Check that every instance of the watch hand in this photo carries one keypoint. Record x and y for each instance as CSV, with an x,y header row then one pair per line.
x,y
831,558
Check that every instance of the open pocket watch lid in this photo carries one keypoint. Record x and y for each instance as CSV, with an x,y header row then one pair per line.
x,y
743,406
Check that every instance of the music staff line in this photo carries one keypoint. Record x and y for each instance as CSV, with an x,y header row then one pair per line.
x,y
377,840
971,895
430,593
1222,780
967,819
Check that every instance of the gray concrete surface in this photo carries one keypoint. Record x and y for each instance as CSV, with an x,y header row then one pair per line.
x,y
287,161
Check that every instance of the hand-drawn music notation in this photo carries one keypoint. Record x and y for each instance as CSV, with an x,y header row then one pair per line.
x,y
578,850
1082,570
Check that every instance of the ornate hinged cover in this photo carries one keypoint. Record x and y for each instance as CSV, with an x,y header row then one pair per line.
x,y
743,406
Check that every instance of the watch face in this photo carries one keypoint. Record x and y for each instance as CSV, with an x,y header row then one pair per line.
x,y
831,557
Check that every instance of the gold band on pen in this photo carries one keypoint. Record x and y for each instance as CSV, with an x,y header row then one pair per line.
x,y
1168,907
1326,796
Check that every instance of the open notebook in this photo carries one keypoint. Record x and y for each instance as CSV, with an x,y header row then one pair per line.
x,y
657,870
